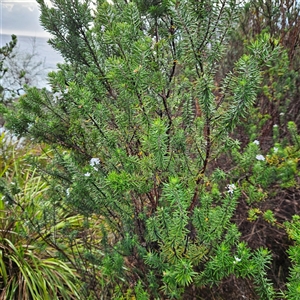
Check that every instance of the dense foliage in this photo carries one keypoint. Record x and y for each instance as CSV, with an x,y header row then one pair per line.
x,y
153,155
30,237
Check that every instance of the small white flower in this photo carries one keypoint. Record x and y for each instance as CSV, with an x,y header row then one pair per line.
x,y
275,149
275,125
68,192
94,161
231,188
87,174
236,259
256,142
260,157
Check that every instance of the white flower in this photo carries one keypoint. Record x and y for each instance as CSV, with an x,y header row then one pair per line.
x,y
260,157
275,149
256,142
68,192
236,260
94,161
87,174
231,188
275,125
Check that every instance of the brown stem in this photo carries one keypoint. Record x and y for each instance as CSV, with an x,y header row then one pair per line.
x,y
199,178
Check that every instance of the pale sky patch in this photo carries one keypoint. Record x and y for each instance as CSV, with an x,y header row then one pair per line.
x,y
9,6
21,17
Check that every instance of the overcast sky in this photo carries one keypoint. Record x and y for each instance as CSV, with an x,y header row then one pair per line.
x,y
20,17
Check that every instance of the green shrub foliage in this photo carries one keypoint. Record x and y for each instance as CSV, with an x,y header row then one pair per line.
x,y
137,117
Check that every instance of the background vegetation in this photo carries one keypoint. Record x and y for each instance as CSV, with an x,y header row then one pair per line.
x,y
163,163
